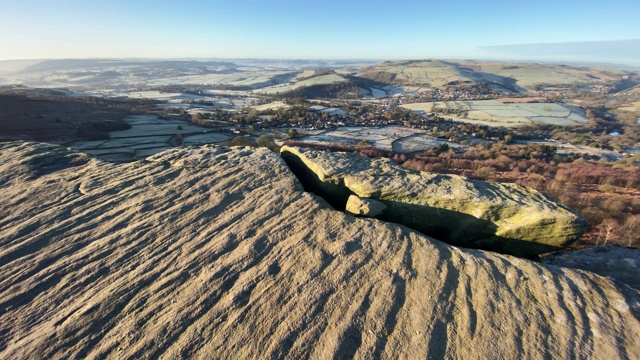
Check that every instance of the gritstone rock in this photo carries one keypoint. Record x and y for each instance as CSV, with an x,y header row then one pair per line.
x,y
365,207
219,253
507,218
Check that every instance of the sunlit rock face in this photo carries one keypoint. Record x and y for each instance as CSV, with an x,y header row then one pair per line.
x,y
507,218
220,253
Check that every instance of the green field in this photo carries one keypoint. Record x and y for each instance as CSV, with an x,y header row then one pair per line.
x,y
271,106
424,73
495,113
528,75
148,135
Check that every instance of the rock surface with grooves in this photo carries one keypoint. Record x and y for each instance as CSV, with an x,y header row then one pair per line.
x,y
219,253
506,218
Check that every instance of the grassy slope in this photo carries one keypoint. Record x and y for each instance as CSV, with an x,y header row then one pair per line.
x,y
425,73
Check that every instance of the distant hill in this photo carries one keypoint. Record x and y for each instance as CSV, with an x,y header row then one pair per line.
x,y
431,73
73,64
11,66
393,77
512,76
529,75
314,78
331,84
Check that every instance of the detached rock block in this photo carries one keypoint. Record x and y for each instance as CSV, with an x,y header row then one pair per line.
x,y
365,207
505,218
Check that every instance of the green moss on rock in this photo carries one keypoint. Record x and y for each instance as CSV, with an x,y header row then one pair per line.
x,y
506,218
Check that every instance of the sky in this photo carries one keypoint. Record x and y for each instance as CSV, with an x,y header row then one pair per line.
x,y
307,29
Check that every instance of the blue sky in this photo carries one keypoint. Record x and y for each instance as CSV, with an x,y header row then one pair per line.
x,y
303,29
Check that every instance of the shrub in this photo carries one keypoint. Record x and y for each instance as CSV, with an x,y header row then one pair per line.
x,y
486,172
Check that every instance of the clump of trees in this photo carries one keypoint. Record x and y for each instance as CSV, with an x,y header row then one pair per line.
x,y
266,141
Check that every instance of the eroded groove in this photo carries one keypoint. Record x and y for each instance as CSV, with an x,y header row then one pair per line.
x,y
231,259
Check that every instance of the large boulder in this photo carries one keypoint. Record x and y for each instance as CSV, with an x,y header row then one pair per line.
x,y
219,253
506,218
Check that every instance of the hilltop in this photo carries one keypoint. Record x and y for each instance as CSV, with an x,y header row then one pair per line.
x,y
215,252
501,76
315,78
431,73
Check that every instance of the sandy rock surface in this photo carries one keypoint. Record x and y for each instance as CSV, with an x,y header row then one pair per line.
x,y
507,218
219,253
365,207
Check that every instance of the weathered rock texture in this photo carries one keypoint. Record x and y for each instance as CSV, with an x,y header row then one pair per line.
x,y
218,253
507,218
365,207
616,262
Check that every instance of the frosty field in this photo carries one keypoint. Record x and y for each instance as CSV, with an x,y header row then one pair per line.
x,y
495,113
318,80
420,142
148,135
251,79
383,138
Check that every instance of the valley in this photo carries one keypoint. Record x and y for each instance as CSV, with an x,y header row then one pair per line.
x,y
320,180
513,122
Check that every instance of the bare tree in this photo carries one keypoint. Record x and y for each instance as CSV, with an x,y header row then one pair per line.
x,y
606,230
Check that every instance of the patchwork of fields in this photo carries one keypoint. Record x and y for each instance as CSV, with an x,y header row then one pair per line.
x,y
248,79
381,138
318,80
528,75
425,73
495,113
148,135
390,138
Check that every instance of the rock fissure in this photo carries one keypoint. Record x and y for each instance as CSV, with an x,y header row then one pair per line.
x,y
333,192
504,218
210,252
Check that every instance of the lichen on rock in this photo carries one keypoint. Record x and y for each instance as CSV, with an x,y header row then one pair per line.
x,y
507,218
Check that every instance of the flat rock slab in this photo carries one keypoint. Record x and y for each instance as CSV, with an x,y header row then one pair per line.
x,y
506,218
219,253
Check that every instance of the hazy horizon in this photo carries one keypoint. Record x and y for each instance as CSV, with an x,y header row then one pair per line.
x,y
329,30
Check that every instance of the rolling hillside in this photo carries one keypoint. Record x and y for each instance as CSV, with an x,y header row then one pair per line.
x,y
432,73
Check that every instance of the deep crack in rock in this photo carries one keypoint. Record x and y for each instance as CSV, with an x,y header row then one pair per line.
x,y
210,252
504,218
